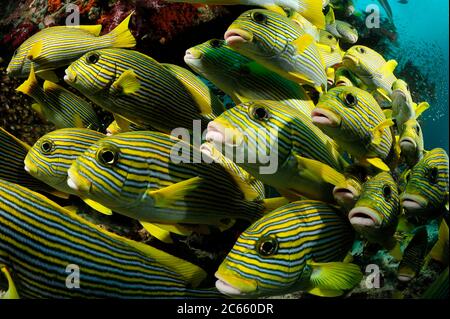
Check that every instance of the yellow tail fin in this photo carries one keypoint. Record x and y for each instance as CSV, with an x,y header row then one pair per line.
x,y
31,83
122,36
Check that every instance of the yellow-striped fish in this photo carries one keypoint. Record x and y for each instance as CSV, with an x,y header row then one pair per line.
x,y
59,106
341,29
140,89
354,119
299,246
281,147
411,142
244,79
153,177
55,47
48,246
329,49
427,189
277,42
371,68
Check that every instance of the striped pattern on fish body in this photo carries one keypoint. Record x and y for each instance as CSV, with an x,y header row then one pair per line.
x,y
273,256
411,142
356,122
375,215
329,49
278,43
136,87
142,175
52,155
427,187
59,106
341,29
242,78
59,46
41,239
12,155
251,131
371,68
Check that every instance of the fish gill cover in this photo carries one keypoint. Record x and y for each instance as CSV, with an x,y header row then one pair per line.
x,y
347,99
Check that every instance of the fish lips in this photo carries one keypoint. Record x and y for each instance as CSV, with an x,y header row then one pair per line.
x,y
324,118
407,144
349,60
236,37
364,218
345,195
220,135
70,76
77,182
413,204
224,277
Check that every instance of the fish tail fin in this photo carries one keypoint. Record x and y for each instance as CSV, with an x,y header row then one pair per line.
x,y
422,107
29,84
122,36
11,293
312,10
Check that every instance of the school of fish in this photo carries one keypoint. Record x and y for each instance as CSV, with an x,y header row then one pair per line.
x,y
340,128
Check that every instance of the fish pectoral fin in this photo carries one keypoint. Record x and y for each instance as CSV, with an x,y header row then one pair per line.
x,y
388,113
325,292
11,293
325,172
336,276
167,196
127,83
48,76
203,104
271,204
422,107
378,163
158,232
388,68
377,131
92,29
98,207
303,42
35,51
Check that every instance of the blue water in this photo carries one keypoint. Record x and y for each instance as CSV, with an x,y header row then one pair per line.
x,y
423,35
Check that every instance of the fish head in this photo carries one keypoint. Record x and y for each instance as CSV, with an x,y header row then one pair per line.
x,y
93,73
375,214
261,33
348,33
427,185
328,39
337,111
110,173
252,133
348,192
401,98
411,140
216,61
20,65
52,155
363,61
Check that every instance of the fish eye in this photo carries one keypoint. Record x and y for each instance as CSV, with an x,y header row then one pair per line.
x,y
215,43
362,50
47,147
244,70
107,156
330,37
387,192
267,246
260,114
259,17
92,58
350,100
433,175
417,129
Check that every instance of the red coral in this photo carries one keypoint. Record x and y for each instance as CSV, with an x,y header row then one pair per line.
x,y
84,9
53,5
22,32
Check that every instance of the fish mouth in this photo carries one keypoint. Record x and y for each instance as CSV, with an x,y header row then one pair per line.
x,y
227,289
208,149
193,54
364,217
236,37
221,135
349,60
247,287
70,76
30,167
346,195
413,204
321,117
407,144
78,183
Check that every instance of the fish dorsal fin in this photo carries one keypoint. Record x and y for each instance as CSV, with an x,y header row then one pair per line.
x,y
303,42
127,83
325,172
422,107
98,207
190,273
330,18
167,196
338,276
388,67
50,86
378,163
29,84
122,36
92,29
21,143
377,131
11,293
35,51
